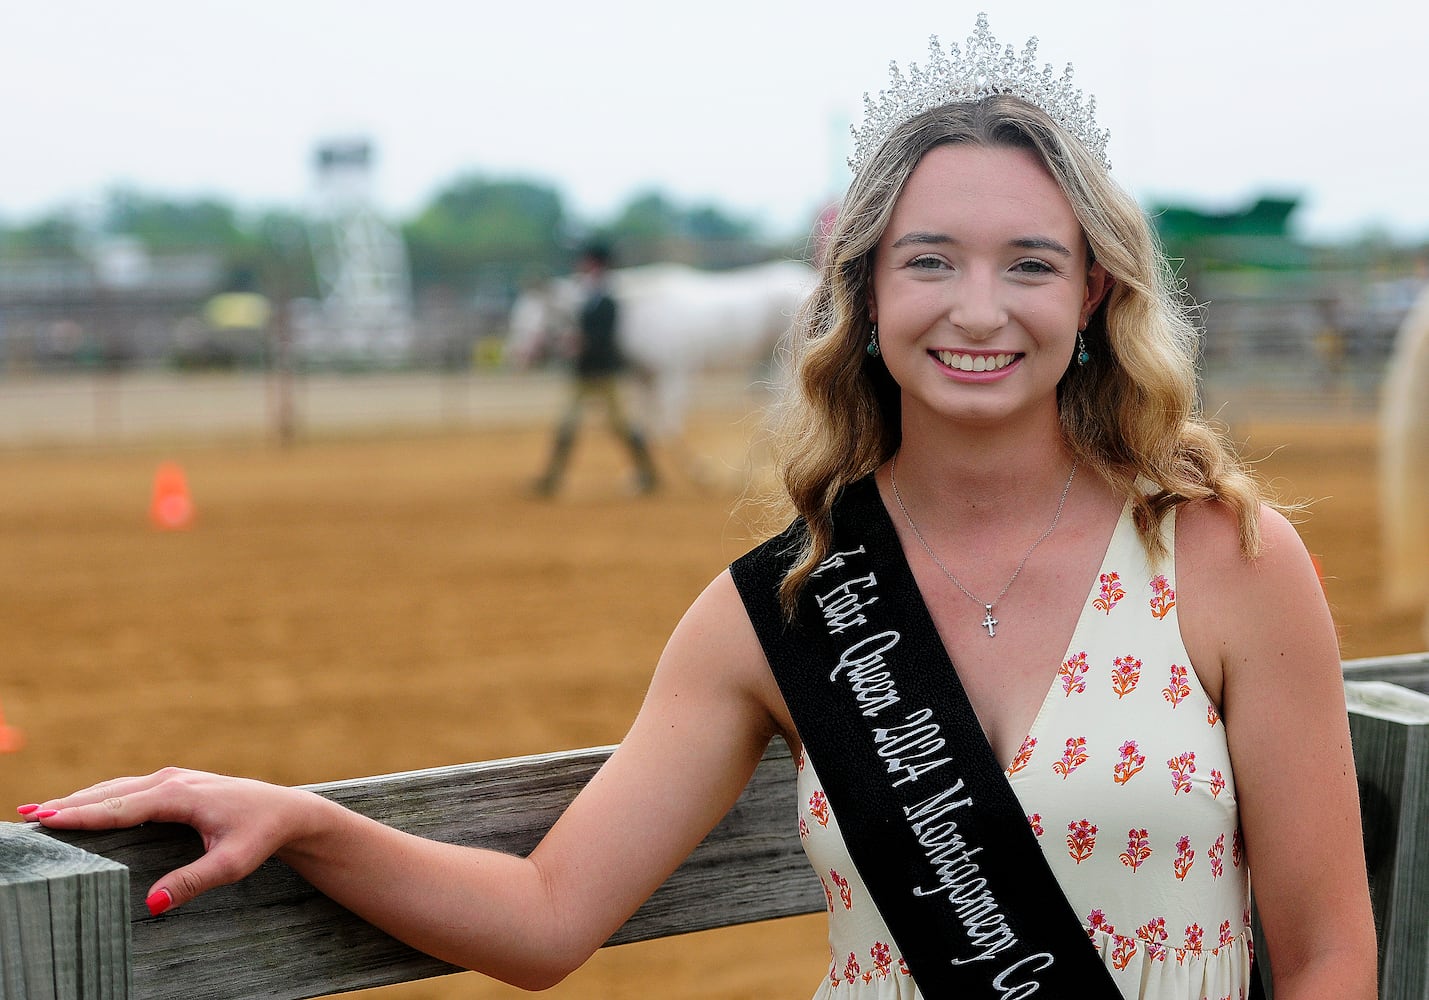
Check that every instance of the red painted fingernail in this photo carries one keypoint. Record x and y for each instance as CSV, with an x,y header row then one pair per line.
x,y
46,813
27,809
158,901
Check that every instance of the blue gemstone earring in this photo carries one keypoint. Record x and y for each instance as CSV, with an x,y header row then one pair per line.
x,y
873,351
1082,356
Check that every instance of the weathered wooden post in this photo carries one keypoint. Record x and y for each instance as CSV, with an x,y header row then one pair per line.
x,y
64,920
1390,729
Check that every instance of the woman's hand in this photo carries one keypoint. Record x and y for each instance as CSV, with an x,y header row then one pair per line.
x,y
242,822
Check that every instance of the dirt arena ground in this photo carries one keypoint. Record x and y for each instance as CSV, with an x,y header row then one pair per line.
x,y
374,603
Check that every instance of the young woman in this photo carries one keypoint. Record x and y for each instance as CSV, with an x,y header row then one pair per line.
x,y
996,404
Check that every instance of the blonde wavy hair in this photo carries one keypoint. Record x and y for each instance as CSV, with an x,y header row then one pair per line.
x,y
1131,411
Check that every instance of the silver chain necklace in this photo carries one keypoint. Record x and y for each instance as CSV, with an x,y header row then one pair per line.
x,y
988,622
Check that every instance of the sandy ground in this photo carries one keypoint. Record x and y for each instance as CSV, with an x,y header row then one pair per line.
x,y
367,604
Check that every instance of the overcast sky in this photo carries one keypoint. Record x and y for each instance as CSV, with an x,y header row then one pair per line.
x,y
743,103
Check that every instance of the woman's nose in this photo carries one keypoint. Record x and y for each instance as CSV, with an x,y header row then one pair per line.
x,y
976,307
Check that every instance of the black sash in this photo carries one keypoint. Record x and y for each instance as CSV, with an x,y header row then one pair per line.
x,y
929,819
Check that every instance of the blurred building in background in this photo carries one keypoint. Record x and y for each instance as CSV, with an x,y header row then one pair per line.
x,y
1281,315
116,305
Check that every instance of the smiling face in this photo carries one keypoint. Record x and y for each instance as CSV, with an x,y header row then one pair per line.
x,y
979,286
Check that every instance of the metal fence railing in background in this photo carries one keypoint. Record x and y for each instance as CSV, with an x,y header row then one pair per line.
x,y
121,409
102,369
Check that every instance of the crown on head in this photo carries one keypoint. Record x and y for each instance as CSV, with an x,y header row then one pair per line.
x,y
955,77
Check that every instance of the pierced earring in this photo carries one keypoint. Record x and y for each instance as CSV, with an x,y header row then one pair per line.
x,y
1082,356
873,351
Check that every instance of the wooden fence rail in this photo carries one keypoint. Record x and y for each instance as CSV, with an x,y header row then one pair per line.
x,y
73,925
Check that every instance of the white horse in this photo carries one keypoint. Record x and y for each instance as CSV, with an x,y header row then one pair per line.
x,y
673,323
1404,465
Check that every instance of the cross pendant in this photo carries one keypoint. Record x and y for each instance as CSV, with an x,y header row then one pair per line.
x,y
988,621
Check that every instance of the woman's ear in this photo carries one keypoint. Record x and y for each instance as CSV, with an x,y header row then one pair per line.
x,y
1099,283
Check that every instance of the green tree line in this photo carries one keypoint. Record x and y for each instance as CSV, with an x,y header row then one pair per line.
x,y
475,234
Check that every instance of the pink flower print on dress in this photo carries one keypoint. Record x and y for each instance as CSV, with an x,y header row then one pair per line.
x,y
1218,783
1217,851
1236,853
1125,674
845,893
1163,597
1035,821
819,807
1178,690
1182,767
1122,951
1194,937
1024,754
1138,849
799,763
1225,937
882,956
851,967
1153,934
1081,840
828,893
803,829
1185,858
1074,674
1212,716
1131,762
1097,921
1111,593
1073,757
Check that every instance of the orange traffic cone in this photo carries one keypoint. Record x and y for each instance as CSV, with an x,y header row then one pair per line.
x,y
11,739
171,508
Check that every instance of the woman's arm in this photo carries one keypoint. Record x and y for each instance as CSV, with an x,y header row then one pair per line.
x,y
704,725
1283,701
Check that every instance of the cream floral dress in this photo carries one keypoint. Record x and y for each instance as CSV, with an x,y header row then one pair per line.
x,y
1126,781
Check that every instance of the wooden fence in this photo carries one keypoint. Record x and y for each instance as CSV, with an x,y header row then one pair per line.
x,y
73,923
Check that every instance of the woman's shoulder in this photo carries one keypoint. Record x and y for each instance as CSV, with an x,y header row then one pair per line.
x,y
1236,608
715,646
1230,590
1211,532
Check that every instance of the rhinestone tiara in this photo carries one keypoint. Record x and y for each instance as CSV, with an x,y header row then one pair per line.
x,y
957,77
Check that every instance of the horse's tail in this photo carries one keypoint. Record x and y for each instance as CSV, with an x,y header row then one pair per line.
x,y
1404,464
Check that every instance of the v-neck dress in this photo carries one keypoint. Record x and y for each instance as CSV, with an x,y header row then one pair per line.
x,y
1126,780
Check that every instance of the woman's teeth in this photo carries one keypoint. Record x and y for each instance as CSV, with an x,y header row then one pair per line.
x,y
975,362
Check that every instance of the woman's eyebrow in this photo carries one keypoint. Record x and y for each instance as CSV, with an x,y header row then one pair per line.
x,y
1040,243
921,238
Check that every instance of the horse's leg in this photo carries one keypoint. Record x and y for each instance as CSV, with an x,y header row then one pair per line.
x,y
669,391
669,404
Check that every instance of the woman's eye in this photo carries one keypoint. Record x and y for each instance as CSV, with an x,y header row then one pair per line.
x,y
1033,267
927,262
